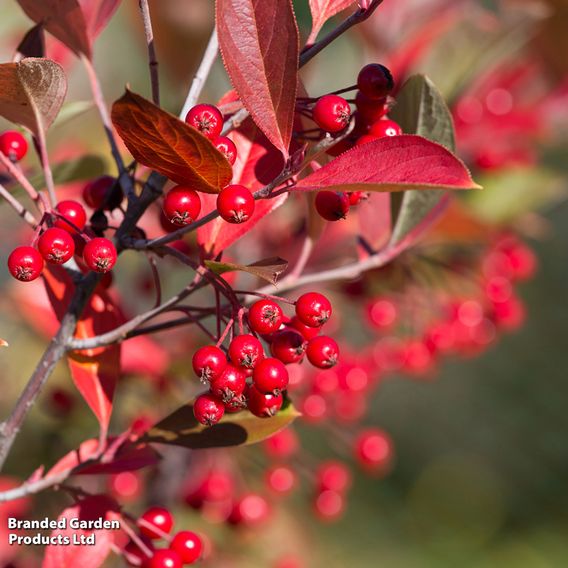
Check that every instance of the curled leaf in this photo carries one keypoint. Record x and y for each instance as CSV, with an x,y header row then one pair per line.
x,y
322,10
268,269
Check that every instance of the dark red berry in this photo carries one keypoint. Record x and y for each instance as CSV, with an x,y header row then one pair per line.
x,y
208,409
13,145
332,113
375,81
165,558
102,193
365,139
235,204
182,205
73,212
313,309
288,346
332,205
156,522
207,119
246,351
188,546
230,384
385,127
370,110
270,376
307,331
25,263
322,352
135,556
99,254
261,404
227,147
265,316
209,362
56,245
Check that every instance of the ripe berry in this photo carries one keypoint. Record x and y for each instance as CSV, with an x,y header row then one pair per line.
x,y
332,205
382,313
270,376
73,212
280,479
235,204
329,505
314,408
373,448
288,346
25,263
165,558
208,409
156,518
56,245
251,509
102,193
333,476
236,404
365,139
187,545
230,384
227,147
13,145
385,127
209,362
261,404
246,351
355,197
370,110
332,113
375,81
313,309
265,316
182,205
282,445
307,331
134,555
207,119
99,254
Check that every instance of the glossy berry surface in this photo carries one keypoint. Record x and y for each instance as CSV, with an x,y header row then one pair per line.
x,y
207,119
375,81
208,363
156,522
74,213
165,558
56,245
370,110
182,205
270,376
188,546
227,147
208,409
102,193
307,331
332,113
25,263
246,351
263,405
313,309
230,384
288,345
235,204
385,127
100,255
13,145
332,205
322,352
265,316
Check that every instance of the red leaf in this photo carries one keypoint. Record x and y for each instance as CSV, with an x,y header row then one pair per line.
x,y
322,10
259,44
391,164
374,215
97,14
168,145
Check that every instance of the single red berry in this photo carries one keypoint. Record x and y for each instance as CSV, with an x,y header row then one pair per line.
x,y
322,352
182,205
188,546
73,212
282,445
261,404
208,409
355,197
382,313
56,245
13,145
227,147
207,119
209,362
307,331
314,408
332,205
102,193
329,505
313,309
135,556
251,509
288,346
374,449
230,384
99,254
270,376
280,479
365,139
157,521
246,351
370,110
25,263
332,113
375,81
333,476
235,204
385,127
265,316
165,558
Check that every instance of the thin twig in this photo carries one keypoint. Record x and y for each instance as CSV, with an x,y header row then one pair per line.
x,y
41,145
152,59
18,207
36,196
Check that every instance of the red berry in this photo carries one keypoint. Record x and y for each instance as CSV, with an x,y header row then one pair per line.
x,y
187,545
103,193
332,205
280,479
235,204
270,376
207,119
282,445
209,362
208,409
313,309
288,346
370,110
182,205
365,139
13,145
134,555
355,197
165,558
246,351
25,263
99,254
375,81
322,352
265,316
307,331
333,476
332,113
329,505
56,245
382,313
373,449
314,408
263,405
251,509
230,384
236,404
385,127
157,521
227,147
73,212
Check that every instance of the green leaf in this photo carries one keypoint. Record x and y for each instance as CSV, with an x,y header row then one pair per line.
x,y
268,269
421,110
182,429
71,110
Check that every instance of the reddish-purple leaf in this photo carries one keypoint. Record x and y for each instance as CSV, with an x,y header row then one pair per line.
x,y
374,215
97,14
322,10
391,164
259,44
168,145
